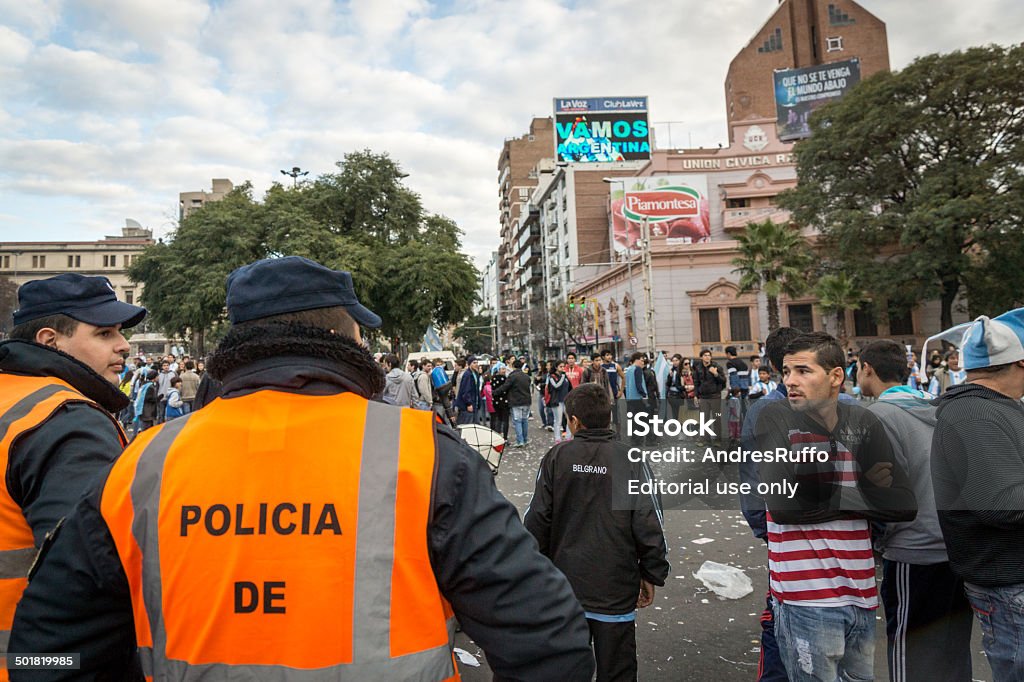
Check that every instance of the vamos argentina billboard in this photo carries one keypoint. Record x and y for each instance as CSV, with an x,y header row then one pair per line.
x,y
798,92
675,207
592,129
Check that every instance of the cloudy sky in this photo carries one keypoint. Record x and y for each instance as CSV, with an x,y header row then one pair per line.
x,y
109,108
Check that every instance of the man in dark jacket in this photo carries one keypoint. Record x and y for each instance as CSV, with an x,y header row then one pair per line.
x,y
468,397
295,341
612,549
978,475
58,395
517,389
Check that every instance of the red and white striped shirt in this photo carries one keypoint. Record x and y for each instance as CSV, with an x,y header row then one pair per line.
x,y
826,564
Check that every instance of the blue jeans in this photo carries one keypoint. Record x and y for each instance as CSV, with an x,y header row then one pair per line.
x,y
545,411
1000,610
826,644
520,415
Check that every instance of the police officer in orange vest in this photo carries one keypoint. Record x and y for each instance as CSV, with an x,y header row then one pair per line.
x,y
58,389
294,529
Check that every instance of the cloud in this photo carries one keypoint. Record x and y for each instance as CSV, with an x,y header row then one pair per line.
x,y
36,17
83,80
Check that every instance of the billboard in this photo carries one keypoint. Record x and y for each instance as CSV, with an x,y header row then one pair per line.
x,y
675,207
798,92
592,129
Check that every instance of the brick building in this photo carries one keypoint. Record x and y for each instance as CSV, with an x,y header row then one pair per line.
x,y
800,33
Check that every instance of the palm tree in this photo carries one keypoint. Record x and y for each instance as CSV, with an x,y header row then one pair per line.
x,y
775,259
837,293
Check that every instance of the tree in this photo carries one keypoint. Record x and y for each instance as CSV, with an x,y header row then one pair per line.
x,y
775,259
476,333
407,265
916,180
8,304
574,321
836,294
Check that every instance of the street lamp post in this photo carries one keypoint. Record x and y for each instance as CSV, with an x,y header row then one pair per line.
x,y
295,173
497,318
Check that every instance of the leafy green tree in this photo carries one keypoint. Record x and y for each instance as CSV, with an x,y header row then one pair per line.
x,y
407,265
777,260
836,294
916,180
476,333
8,304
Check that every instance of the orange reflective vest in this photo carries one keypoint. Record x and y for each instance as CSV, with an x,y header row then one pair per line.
x,y
283,536
26,403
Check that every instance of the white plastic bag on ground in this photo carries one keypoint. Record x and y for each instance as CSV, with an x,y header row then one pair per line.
x,y
724,580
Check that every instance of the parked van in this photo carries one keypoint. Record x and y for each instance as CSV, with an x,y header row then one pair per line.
x,y
446,355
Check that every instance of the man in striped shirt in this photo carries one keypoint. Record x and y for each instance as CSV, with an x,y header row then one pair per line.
x,y
821,566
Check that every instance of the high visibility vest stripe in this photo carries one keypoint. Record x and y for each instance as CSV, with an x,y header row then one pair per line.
x,y
14,563
426,665
375,536
21,409
145,492
375,543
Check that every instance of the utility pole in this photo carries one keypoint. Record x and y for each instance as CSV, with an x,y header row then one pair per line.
x,y
648,277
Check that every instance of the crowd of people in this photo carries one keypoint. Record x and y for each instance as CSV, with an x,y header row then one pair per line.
x,y
159,389
154,560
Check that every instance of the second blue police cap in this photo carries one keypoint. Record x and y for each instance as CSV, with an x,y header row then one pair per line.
x,y
277,286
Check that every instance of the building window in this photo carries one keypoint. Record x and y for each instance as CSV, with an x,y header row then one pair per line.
x,y
801,317
110,261
834,44
739,324
709,329
39,261
864,323
7,261
838,17
129,296
74,261
774,42
901,323
737,203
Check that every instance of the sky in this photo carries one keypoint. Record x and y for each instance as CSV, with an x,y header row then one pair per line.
x,y
110,108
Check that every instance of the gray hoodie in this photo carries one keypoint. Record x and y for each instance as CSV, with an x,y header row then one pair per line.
x,y
398,388
909,419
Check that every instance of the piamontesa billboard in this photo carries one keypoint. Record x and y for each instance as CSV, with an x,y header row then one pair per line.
x,y
675,206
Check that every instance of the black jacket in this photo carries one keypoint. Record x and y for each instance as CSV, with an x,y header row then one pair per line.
x,y
506,596
604,552
50,468
978,474
706,384
516,388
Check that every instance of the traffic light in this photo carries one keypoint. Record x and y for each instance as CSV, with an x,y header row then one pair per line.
x,y
572,302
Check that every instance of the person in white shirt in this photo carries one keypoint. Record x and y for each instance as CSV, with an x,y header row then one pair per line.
x,y
764,384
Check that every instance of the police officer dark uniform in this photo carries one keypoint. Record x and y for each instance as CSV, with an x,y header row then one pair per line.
x,y
293,529
58,390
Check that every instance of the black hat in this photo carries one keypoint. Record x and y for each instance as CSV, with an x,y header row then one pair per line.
x,y
276,286
87,299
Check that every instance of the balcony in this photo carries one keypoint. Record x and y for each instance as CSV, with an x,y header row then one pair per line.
x,y
734,220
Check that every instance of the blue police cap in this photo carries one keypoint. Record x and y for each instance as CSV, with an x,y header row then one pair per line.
x,y
276,286
87,299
